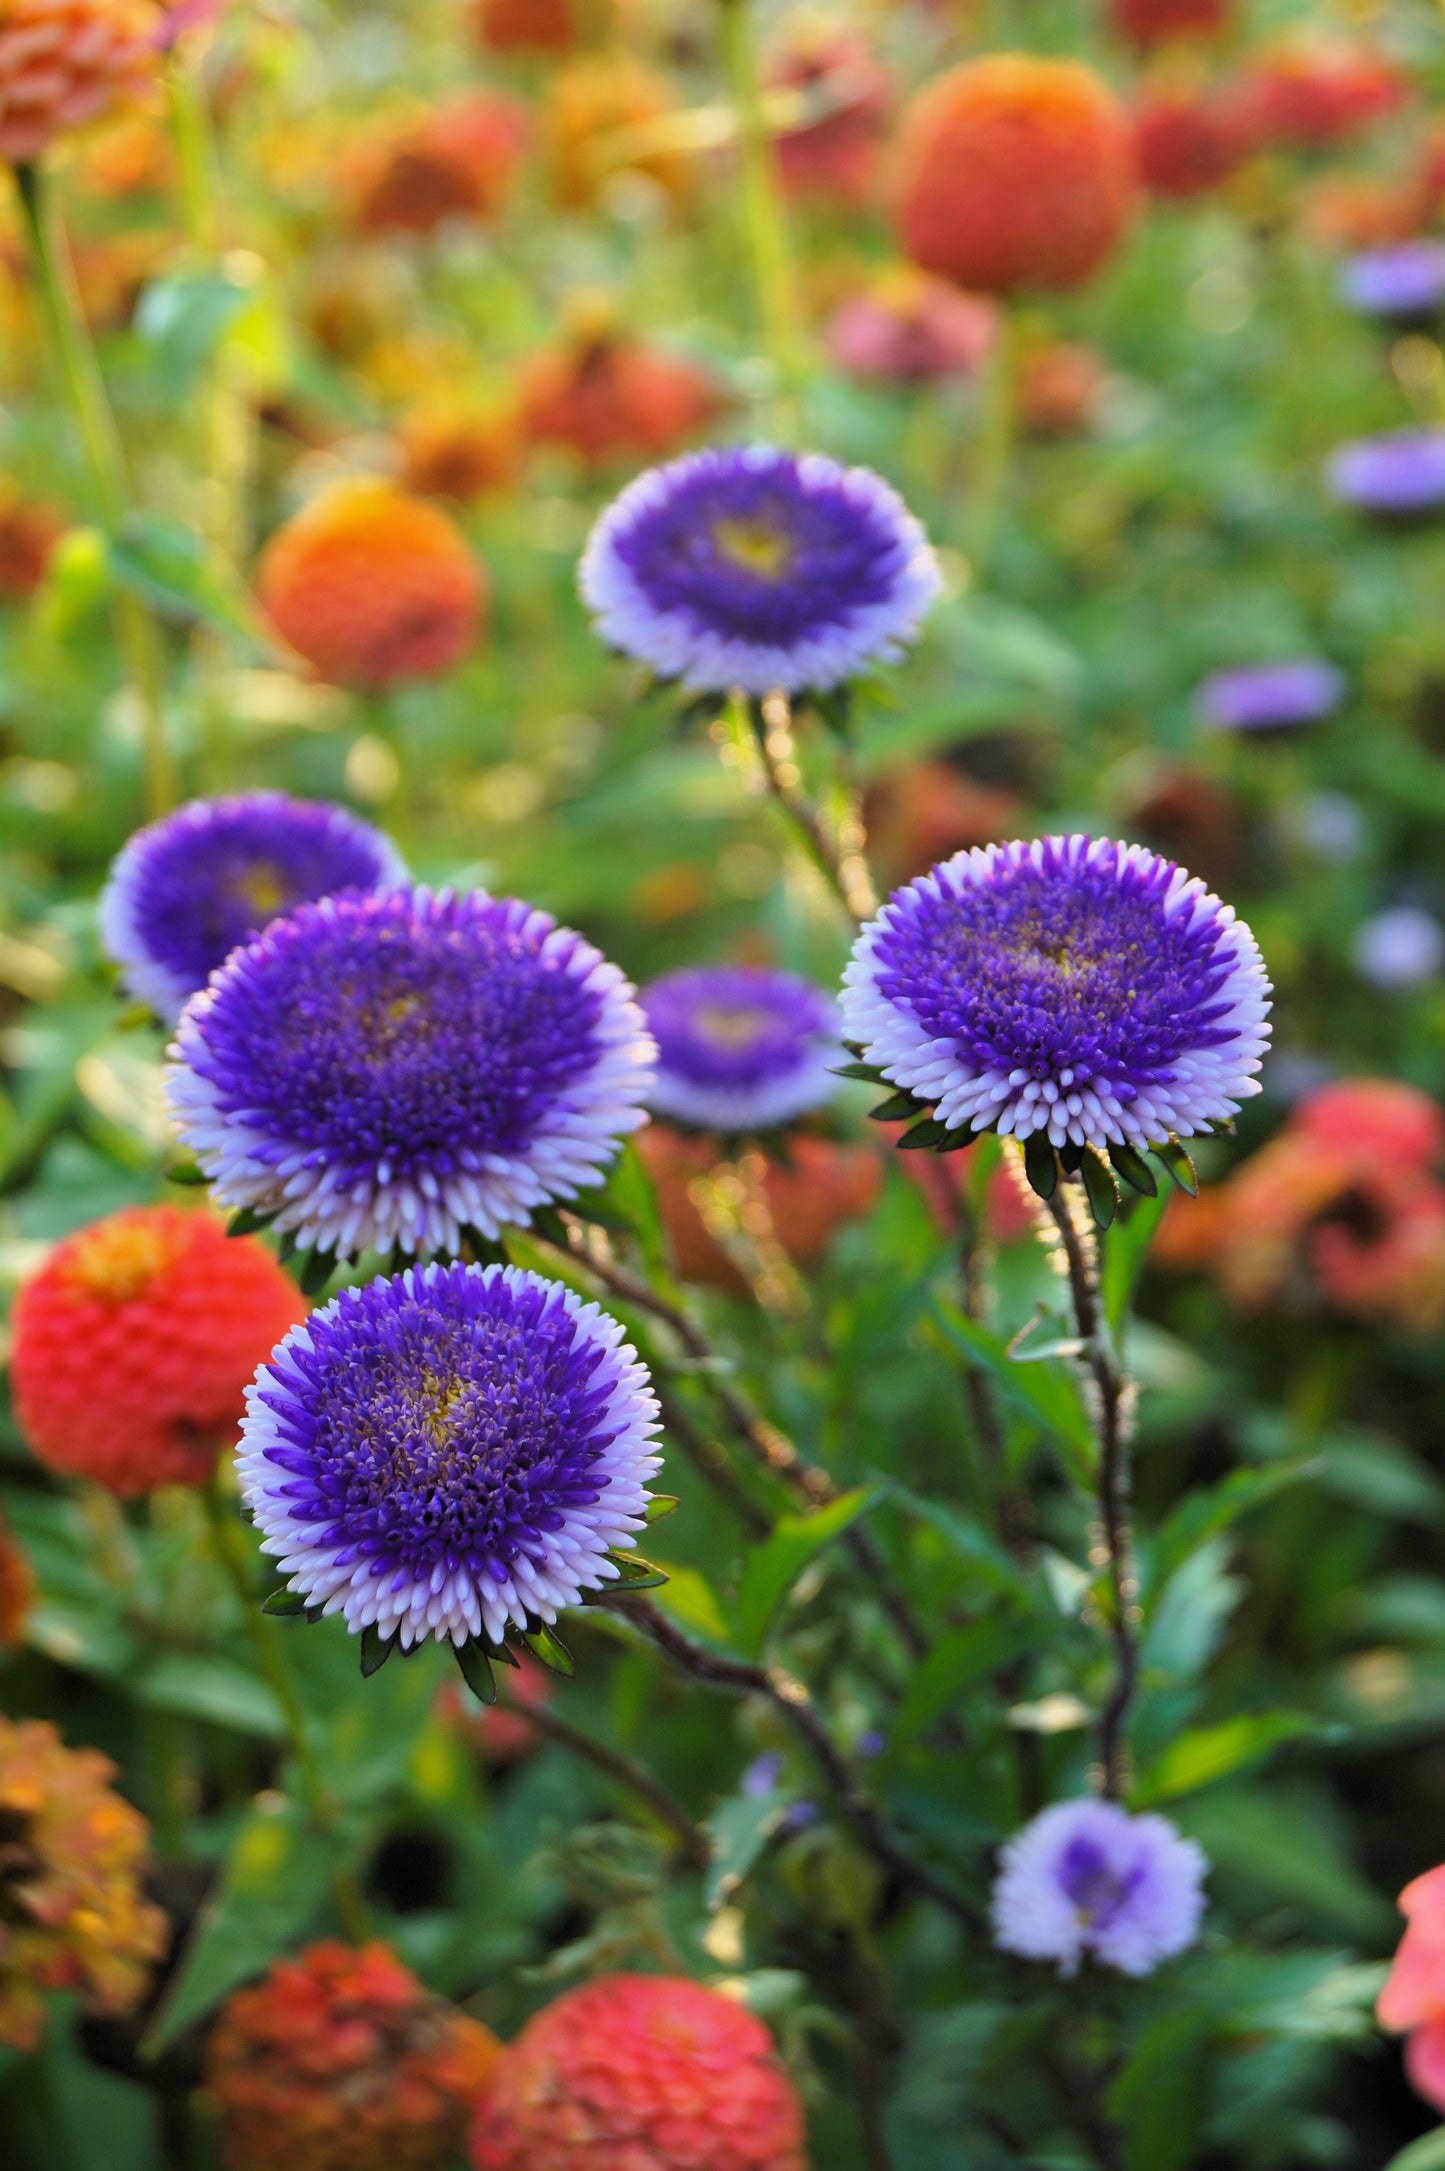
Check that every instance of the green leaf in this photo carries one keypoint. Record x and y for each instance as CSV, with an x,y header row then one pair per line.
x,y
547,1646
1176,1159
285,1605
738,1830
957,1660
1426,2154
659,1507
1159,2096
689,1598
376,1649
868,1072
1208,1753
772,1568
210,1688
1134,1170
1041,1165
273,1888
926,1137
1202,1516
896,1108
180,573
1047,1393
317,1269
476,1671
1100,1189
1124,1255
636,1574
996,1566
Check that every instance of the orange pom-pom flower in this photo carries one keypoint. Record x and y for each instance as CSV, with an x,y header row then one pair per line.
x,y
456,161
135,1343
340,2061
372,586
1014,172
64,63
642,2070
604,397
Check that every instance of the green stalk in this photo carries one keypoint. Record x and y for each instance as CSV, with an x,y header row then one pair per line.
x,y
195,155
998,426
765,225
231,1553
75,356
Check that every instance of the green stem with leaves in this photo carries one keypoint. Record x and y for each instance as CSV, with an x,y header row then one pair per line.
x,y
234,1559
74,354
764,220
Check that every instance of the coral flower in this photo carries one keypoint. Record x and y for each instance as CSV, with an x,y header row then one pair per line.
x,y
135,1342
372,586
1189,141
909,328
1308,97
455,162
645,2071
339,2060
606,397
833,151
1014,172
64,63
71,1857
1147,23
1413,1999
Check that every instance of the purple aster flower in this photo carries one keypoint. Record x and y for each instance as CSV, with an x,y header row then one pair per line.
x,y
749,567
739,1049
1399,473
1265,697
185,891
1404,282
1086,1877
450,1452
1399,948
1070,986
392,1070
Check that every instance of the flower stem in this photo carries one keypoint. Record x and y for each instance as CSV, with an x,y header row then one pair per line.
x,y
195,154
837,855
764,220
631,1777
74,353
231,1553
998,425
1112,1396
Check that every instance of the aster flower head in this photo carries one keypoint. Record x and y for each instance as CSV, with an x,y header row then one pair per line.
x,y
1090,993
1267,697
1085,1879
450,1452
187,889
1399,474
746,566
739,1048
1403,282
393,1070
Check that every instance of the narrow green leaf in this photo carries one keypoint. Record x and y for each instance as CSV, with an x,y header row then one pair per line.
x,y
1208,1753
317,1269
285,1605
1203,1516
1125,1252
176,570
738,1830
868,1072
1100,1188
896,1108
548,1648
376,1649
186,1172
1134,1169
1179,1165
247,1221
772,1568
957,1660
659,1507
925,1137
1047,1393
476,1670
636,1573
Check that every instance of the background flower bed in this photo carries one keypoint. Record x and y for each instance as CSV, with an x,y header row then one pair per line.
x,y
1166,514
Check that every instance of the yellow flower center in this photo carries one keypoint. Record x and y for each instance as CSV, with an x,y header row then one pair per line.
x,y
729,1025
755,546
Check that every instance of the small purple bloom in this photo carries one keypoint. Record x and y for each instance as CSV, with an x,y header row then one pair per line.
x,y
1266,697
185,891
1399,948
739,1048
449,1453
1086,1878
1399,473
392,1070
1087,990
763,1774
1404,282
750,567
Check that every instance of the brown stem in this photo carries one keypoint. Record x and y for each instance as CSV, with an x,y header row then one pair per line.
x,y
839,858
789,1697
631,1777
1110,1416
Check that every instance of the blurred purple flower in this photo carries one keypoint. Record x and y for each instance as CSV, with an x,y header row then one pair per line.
x,y
763,1774
1399,472
1405,281
1399,948
1086,1878
740,1048
1264,697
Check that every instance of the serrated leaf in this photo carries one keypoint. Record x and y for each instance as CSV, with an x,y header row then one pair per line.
x,y
1181,1168
772,1568
1134,1169
548,1648
659,1507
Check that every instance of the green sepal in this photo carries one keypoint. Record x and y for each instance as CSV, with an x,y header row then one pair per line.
x,y
476,1670
247,1221
1041,1165
1134,1170
500,1655
925,1137
286,1249
660,1506
285,1605
1071,1157
896,1108
376,1649
868,1072
549,1649
959,1136
187,1172
1179,1165
636,1573
317,1268
1099,1184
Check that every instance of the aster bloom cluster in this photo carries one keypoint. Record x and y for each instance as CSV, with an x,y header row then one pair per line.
x,y
1346,1204
398,1069
339,2060
1072,991
760,569
1085,1880
186,890
740,1049
642,2070
449,1453
72,1915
